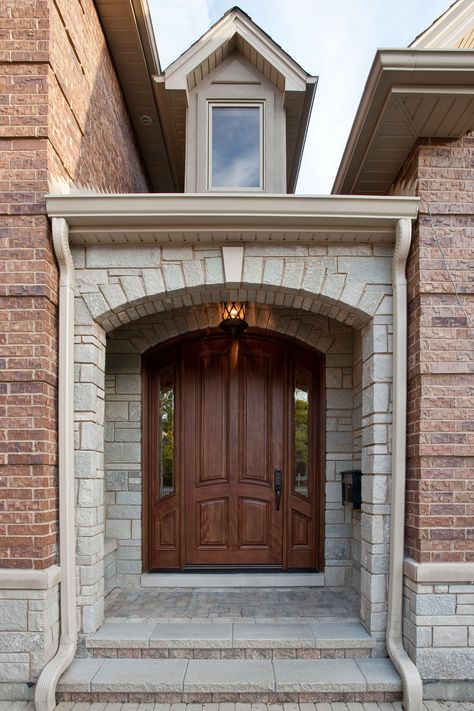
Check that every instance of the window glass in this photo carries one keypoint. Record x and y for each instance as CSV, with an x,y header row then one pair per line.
x,y
236,147
166,434
301,436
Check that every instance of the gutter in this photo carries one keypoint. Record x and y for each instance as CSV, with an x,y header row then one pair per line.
x,y
411,680
45,694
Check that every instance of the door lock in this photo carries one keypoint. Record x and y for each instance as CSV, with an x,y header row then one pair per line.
x,y
278,483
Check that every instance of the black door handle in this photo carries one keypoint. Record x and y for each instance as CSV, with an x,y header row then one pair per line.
x,y
278,479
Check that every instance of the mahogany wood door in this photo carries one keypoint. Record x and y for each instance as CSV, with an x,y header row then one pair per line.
x,y
221,416
234,441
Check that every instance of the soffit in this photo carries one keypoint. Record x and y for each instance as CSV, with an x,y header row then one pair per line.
x,y
410,94
139,219
130,40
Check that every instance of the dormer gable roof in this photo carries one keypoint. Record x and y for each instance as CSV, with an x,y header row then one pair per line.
x,y
235,33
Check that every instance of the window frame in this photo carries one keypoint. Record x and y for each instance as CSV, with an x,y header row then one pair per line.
x,y
236,104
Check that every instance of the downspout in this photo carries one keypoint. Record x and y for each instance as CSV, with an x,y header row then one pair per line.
x,y
411,680
45,694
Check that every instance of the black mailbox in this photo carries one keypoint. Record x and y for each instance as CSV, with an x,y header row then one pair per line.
x,y
352,487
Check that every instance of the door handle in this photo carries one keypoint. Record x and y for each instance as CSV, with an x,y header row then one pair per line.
x,y
278,486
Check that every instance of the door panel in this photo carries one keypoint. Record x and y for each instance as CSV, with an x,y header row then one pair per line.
x,y
221,416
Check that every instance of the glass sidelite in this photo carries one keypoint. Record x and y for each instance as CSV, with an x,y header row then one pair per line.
x,y
301,437
236,160
166,434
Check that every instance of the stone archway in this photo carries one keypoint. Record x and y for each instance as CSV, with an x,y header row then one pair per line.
x,y
322,321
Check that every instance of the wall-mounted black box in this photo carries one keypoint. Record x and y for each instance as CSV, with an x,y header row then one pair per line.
x,y
352,488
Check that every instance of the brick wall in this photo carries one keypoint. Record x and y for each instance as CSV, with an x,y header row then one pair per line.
x,y
440,487
62,119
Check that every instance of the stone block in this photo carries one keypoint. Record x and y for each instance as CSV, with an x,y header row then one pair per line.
x,y
445,663
153,280
193,274
449,636
123,452
13,617
92,436
85,397
121,529
90,492
128,384
273,272
434,604
173,276
292,275
153,675
313,278
128,257
214,271
224,675
133,288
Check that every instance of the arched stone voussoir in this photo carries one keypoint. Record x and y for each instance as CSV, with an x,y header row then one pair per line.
x,y
121,303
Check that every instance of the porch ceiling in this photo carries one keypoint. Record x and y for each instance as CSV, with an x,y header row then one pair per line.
x,y
138,219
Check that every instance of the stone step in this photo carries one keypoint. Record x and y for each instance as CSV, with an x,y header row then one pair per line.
x,y
200,680
231,641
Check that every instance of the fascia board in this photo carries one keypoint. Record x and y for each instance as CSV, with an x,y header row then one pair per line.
x,y
448,29
204,212
423,68
176,74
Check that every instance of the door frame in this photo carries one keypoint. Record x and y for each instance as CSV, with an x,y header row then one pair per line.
x,y
150,363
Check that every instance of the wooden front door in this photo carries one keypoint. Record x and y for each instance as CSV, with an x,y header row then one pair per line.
x,y
227,422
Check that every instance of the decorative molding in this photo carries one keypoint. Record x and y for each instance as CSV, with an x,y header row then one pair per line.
x,y
25,579
438,573
233,258
207,212
62,251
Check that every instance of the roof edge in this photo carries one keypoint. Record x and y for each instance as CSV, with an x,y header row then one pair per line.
x,y
449,28
415,64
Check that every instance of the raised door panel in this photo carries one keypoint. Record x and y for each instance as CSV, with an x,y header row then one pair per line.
x,y
255,523
254,417
212,523
212,419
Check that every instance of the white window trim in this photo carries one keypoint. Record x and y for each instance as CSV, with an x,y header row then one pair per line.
x,y
237,104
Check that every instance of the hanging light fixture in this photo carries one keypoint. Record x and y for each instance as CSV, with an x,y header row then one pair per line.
x,y
233,318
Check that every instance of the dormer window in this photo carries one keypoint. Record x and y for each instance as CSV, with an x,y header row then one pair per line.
x,y
235,146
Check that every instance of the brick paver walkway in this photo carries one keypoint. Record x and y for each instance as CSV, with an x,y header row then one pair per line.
x,y
350,706
232,604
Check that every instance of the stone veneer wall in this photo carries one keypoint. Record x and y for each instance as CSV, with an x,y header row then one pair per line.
x,y
346,284
29,631
438,629
123,427
63,122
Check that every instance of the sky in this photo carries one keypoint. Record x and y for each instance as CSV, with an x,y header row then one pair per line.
x,y
333,39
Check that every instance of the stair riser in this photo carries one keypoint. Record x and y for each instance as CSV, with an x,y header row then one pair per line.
x,y
249,653
229,697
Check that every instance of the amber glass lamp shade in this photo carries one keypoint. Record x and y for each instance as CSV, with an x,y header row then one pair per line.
x,y
233,318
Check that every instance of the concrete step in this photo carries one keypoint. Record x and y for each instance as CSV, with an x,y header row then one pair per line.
x,y
236,680
231,641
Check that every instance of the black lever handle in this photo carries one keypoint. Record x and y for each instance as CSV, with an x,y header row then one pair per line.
x,y
278,479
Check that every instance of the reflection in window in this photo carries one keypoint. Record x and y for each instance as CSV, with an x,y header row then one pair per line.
x,y
236,147
166,434
301,443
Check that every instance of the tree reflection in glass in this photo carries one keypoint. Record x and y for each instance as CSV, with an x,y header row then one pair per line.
x,y
301,414
166,439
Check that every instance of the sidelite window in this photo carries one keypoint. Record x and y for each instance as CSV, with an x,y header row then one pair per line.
x,y
166,433
236,146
